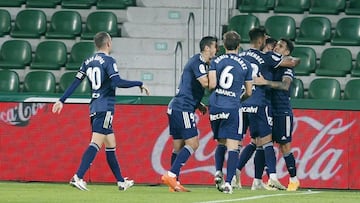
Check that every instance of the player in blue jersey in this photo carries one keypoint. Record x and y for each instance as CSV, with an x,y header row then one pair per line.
x,y
256,109
228,73
282,110
102,73
181,110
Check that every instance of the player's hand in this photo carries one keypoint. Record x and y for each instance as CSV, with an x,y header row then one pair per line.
x,y
57,107
202,108
259,80
144,88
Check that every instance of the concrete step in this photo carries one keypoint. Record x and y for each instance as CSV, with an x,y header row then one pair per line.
x,y
169,4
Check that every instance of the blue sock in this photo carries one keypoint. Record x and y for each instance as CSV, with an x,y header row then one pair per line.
x,y
219,157
290,164
113,163
181,159
173,157
270,159
259,162
233,157
87,158
245,155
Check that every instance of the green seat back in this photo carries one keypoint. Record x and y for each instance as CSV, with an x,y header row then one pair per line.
x,y
49,55
352,89
347,32
9,81
11,3
42,3
353,7
307,57
254,6
39,82
5,22
115,4
100,21
15,54
242,24
29,24
324,88
79,52
281,27
292,6
327,6
64,24
335,61
314,30
81,4
356,71
66,80
297,89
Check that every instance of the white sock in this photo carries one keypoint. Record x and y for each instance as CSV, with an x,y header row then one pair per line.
x,y
273,176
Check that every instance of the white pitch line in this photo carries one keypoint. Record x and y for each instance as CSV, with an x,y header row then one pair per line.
x,y
259,197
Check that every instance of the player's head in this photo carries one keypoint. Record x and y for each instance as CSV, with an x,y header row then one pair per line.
x,y
270,44
231,41
102,41
208,46
257,37
284,47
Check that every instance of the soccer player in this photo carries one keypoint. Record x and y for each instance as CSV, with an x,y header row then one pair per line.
x,y
270,44
227,74
282,111
256,108
181,110
102,73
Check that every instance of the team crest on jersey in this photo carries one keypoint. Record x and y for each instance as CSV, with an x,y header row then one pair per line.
x,y
115,67
202,68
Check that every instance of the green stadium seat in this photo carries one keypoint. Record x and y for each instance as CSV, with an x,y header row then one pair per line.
x,y
297,89
81,4
9,81
11,3
15,54
255,6
291,6
67,78
356,71
40,82
335,62
100,21
347,32
115,4
242,24
352,90
64,25
327,6
281,27
42,3
49,55
79,52
29,24
307,57
324,88
5,22
353,7
314,30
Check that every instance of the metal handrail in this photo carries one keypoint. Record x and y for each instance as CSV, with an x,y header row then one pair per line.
x,y
191,18
178,48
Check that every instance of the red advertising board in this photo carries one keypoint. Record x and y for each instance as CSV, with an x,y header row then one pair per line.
x,y
36,145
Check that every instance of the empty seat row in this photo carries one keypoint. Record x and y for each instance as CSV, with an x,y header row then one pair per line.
x,y
315,30
73,4
65,24
40,82
352,7
326,88
49,55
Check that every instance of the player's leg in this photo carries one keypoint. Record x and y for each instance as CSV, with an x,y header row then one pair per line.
x,y
219,163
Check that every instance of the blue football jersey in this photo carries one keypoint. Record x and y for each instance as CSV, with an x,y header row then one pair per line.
x,y
261,63
280,99
231,73
190,91
99,69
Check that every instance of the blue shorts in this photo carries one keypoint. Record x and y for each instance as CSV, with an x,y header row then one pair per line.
x,y
182,125
101,122
259,122
226,123
282,129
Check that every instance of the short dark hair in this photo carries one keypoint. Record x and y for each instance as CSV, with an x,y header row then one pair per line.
x,y
256,33
101,38
207,41
271,41
231,40
289,44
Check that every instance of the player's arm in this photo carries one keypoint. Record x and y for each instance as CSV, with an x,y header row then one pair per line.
x,y
283,85
248,90
204,81
212,79
122,83
289,61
